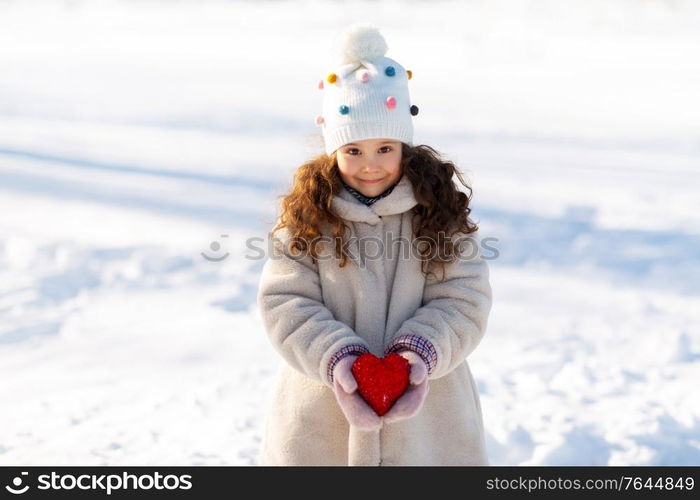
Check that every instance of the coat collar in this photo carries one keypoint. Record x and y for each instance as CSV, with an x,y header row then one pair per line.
x,y
399,200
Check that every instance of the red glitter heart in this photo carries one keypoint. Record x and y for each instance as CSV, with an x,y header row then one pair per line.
x,y
381,381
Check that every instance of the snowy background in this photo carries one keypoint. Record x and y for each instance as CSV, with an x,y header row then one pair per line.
x,y
135,136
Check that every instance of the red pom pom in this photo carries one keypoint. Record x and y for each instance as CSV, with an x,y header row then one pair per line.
x,y
381,381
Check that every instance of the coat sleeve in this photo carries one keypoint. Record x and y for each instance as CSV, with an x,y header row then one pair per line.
x,y
454,313
299,325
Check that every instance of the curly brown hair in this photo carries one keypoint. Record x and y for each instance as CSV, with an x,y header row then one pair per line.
x,y
442,209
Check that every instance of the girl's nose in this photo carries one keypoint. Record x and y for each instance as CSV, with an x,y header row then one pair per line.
x,y
371,166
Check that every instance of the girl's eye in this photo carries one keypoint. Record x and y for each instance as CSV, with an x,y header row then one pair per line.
x,y
351,151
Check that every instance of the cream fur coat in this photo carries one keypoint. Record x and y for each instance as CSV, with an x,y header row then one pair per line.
x,y
310,310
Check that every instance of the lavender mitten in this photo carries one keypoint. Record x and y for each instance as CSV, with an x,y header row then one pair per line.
x,y
356,410
419,370
412,400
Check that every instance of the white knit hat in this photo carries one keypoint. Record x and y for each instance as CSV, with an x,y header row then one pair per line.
x,y
366,95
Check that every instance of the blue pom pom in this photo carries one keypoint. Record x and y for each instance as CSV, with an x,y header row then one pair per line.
x,y
344,110
390,71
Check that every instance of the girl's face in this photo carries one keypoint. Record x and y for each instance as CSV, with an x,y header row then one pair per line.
x,y
371,166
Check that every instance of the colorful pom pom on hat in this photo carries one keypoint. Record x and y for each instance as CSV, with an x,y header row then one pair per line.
x,y
365,95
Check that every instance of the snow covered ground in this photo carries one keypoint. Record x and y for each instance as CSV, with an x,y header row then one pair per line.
x,y
136,136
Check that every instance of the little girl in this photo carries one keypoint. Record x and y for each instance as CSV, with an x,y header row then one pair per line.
x,y
338,285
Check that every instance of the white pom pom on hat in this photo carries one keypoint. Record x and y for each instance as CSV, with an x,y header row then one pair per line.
x,y
366,94
360,42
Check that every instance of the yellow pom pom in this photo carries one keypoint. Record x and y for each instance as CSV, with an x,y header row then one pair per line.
x,y
410,73
332,78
